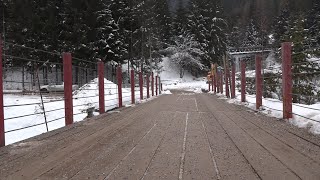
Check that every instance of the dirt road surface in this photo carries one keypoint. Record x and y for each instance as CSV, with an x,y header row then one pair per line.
x,y
179,136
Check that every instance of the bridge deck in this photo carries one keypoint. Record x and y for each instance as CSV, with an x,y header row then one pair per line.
x,y
180,136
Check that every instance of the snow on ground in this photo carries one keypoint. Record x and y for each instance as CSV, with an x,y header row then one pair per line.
x,y
271,107
274,108
171,80
84,98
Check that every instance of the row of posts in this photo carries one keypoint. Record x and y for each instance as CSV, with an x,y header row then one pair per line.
x,y
67,72
217,81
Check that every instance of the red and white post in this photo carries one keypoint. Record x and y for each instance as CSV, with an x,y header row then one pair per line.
x,y
67,79
258,82
2,131
287,80
243,81
101,87
119,77
233,81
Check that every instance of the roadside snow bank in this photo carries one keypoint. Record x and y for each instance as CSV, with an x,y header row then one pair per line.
x,y
166,92
86,97
274,108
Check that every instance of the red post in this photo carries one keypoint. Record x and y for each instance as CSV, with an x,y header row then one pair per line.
x,y
156,85
233,81
227,82
215,83
218,81
133,100
152,84
119,76
243,81
212,81
2,132
148,86
67,79
221,82
159,84
141,85
287,80
258,82
101,87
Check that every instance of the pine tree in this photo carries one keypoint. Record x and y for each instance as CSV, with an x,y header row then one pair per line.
x,y
180,19
313,26
235,37
252,35
163,20
303,87
121,14
208,27
107,46
281,25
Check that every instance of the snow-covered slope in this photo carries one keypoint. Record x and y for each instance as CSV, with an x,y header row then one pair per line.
x,y
170,78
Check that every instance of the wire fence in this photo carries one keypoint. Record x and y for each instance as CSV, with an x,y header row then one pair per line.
x,y
35,92
301,78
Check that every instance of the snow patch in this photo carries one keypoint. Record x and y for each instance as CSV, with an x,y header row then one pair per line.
x,y
166,92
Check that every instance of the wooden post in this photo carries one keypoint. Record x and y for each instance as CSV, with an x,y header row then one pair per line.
x,y
148,86
152,84
258,82
243,81
67,79
226,74
160,85
101,87
221,82
227,82
141,85
2,131
212,83
119,77
233,82
218,81
156,85
287,80
133,100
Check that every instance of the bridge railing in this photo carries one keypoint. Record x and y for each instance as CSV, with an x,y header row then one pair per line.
x,y
66,89
285,86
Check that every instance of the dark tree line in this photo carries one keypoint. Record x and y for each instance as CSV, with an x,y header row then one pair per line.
x,y
113,30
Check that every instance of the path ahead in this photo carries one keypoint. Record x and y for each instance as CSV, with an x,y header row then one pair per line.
x,y
180,136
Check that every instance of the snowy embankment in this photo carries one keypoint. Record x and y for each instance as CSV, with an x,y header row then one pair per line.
x,y
87,96
271,107
171,80
274,108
